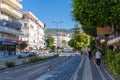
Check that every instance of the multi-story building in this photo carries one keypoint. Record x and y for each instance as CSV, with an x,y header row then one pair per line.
x,y
9,25
61,40
32,31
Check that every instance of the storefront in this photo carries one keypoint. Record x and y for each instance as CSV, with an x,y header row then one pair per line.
x,y
8,48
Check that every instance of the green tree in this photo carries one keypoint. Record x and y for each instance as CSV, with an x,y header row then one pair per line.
x,y
71,43
79,41
49,42
64,43
96,13
89,30
22,45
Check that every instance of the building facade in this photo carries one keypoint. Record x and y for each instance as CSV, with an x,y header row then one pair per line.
x,y
61,40
32,31
10,27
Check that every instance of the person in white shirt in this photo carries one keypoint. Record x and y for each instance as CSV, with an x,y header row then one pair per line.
x,y
98,57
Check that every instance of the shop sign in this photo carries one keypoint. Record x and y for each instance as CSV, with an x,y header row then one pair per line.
x,y
7,43
2,39
104,30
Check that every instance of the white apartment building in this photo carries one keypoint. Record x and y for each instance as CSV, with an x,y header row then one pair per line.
x,y
32,31
58,40
9,25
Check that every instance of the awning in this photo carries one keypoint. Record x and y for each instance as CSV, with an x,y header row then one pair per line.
x,y
33,47
115,41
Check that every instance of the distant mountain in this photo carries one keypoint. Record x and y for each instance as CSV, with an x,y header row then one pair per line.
x,y
54,31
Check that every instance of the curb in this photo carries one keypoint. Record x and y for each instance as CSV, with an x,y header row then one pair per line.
x,y
75,75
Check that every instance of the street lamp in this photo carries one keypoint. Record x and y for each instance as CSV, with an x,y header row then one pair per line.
x,y
57,32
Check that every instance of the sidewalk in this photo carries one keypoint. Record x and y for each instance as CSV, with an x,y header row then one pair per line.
x,y
18,61
13,58
88,71
8,57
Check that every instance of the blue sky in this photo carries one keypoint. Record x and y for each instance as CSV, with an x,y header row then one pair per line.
x,y
51,10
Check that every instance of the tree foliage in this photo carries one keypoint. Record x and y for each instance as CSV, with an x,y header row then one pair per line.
x,y
49,42
22,45
79,41
89,30
96,13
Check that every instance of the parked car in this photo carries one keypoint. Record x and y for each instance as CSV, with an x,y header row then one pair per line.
x,y
23,55
33,54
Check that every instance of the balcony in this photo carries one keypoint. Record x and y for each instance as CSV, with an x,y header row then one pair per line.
x,y
16,23
13,3
4,17
9,30
9,10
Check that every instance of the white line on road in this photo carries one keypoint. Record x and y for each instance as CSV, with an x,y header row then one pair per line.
x,y
87,74
75,75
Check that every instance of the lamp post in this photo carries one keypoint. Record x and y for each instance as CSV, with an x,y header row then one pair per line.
x,y
57,32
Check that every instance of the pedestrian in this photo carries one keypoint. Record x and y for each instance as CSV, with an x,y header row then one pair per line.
x,y
90,54
98,57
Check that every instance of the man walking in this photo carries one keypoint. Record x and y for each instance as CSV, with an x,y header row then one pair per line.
x,y
98,57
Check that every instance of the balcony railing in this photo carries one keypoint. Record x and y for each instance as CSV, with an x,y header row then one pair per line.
x,y
15,4
9,10
11,22
16,22
4,17
9,30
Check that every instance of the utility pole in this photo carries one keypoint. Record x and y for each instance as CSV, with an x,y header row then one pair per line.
x,y
57,32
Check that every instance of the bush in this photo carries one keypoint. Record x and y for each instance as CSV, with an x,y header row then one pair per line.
x,y
92,45
10,64
33,59
112,59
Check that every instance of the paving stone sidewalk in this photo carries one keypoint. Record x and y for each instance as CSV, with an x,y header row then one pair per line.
x,y
89,71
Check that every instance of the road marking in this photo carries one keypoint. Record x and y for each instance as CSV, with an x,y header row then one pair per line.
x,y
75,75
87,73
101,74
47,76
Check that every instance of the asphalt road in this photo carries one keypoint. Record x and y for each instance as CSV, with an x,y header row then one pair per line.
x,y
63,72
29,72
77,68
66,67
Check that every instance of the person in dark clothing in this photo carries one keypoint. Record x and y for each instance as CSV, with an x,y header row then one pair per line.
x,y
90,54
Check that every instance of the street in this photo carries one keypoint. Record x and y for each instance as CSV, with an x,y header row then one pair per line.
x,y
78,68
30,71
63,68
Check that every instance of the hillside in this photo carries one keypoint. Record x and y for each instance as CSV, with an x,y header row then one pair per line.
x,y
54,31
